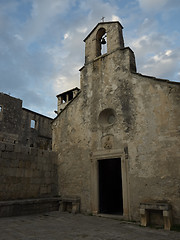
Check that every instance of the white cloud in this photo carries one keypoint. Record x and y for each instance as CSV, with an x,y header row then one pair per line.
x,y
137,44
150,44
18,37
42,15
168,53
154,56
115,18
148,25
97,9
158,5
62,83
163,65
82,29
66,35
149,5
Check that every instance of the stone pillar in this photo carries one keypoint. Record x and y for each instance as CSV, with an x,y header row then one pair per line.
x,y
144,216
167,215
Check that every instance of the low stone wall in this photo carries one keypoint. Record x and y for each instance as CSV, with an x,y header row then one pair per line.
x,y
28,206
26,172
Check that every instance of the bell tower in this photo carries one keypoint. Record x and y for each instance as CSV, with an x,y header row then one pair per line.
x,y
116,62
109,33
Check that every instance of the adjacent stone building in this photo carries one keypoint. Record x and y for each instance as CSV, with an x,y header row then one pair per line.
x,y
21,125
28,169
118,140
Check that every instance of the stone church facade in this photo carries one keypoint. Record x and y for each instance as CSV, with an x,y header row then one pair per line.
x,y
118,139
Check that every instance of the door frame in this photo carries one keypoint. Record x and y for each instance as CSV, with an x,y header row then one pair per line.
x,y
102,155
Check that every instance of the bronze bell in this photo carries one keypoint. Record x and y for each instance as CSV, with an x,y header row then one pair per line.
x,y
103,41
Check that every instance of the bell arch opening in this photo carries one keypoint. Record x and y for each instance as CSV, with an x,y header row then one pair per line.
x,y
101,42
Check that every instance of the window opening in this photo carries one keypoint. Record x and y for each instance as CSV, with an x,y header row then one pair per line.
x,y
63,98
104,44
70,96
33,123
101,42
0,109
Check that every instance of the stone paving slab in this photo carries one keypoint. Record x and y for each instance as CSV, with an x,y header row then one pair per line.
x,y
66,226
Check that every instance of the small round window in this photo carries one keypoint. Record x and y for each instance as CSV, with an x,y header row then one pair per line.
x,y
107,117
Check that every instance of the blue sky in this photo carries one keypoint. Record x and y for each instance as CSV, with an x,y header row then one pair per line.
x,y
42,48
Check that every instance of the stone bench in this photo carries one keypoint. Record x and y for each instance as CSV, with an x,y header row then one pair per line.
x,y
145,209
28,206
71,204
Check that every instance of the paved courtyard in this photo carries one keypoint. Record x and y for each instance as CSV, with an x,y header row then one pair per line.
x,y
66,226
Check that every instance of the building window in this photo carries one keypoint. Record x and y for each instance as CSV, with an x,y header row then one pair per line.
x,y
33,124
0,109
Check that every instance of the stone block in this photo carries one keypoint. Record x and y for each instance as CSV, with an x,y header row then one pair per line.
x,y
49,189
21,163
46,154
17,148
144,217
27,163
27,173
142,211
6,155
9,147
11,172
13,155
47,174
34,151
53,155
40,152
2,146
165,213
13,163
33,165
70,204
43,190
167,223
19,172
36,173
26,150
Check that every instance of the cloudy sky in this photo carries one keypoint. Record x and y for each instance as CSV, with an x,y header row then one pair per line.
x,y
42,48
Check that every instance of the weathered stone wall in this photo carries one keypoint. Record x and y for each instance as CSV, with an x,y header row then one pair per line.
x,y
154,167
10,117
15,124
26,172
73,148
39,136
